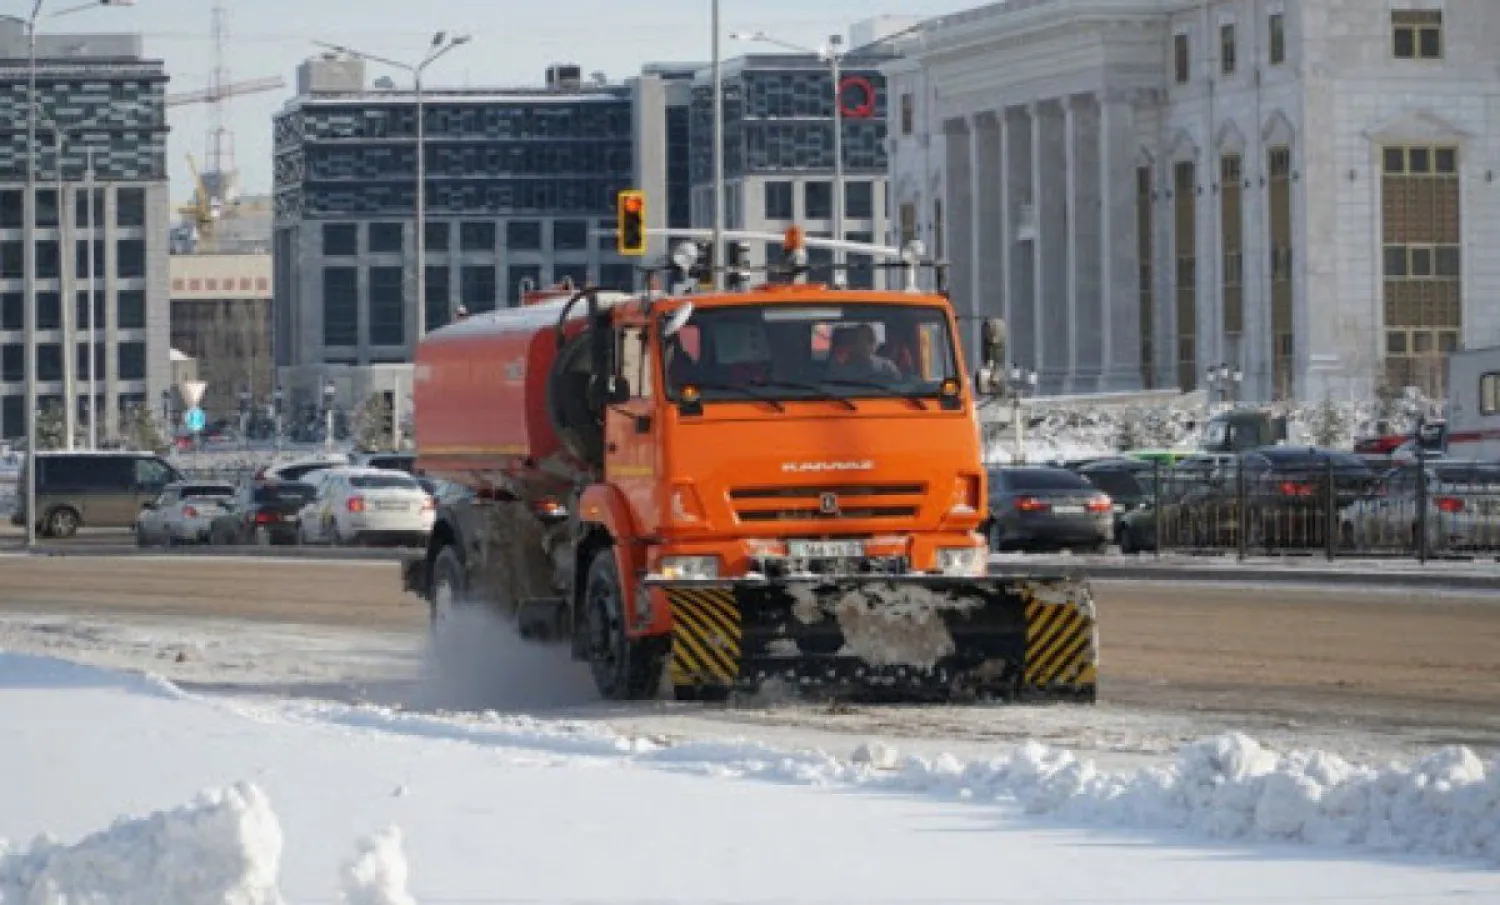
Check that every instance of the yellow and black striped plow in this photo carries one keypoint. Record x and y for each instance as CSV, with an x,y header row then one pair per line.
x,y
705,637
1061,640
905,638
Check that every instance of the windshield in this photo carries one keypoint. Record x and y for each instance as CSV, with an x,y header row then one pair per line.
x,y
809,351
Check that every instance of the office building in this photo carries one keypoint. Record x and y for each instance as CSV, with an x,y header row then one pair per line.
x,y
1151,192
101,118
661,98
518,181
779,119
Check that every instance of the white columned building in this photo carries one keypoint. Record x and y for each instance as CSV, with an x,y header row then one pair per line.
x,y
1145,190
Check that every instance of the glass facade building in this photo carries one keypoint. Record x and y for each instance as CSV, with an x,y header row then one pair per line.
x,y
101,116
517,183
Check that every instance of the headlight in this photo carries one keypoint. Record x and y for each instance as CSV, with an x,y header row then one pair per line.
x,y
689,568
966,561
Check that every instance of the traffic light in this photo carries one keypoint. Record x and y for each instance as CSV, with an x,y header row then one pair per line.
x,y
632,223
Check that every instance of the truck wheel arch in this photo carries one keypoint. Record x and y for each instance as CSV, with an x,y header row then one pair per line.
x,y
607,520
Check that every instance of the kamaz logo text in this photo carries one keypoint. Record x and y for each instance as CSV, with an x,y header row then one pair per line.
x,y
827,466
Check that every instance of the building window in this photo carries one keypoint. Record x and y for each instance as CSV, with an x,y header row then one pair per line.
x,y
1180,59
570,235
1184,202
387,306
529,274
1227,48
13,311
81,262
12,416
82,217
439,310
859,200
523,235
476,235
1277,29
340,306
620,277
476,288
46,207
48,311
48,259
1147,299
387,238
130,207
818,200
908,113
340,240
1489,393
1417,34
779,202
49,361
575,275
12,260
908,223
12,363
437,238
1422,262
12,216
132,361
130,309
130,258
1279,227
1232,275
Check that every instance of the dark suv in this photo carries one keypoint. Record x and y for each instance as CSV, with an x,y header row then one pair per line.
x,y
94,489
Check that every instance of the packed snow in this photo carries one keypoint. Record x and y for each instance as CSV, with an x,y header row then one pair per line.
x,y
310,800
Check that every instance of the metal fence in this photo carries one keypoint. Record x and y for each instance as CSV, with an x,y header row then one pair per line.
x,y
1319,506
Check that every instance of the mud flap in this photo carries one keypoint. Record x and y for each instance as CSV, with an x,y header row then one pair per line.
x,y
913,637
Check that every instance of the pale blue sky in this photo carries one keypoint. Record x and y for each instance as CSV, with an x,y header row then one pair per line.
x,y
514,40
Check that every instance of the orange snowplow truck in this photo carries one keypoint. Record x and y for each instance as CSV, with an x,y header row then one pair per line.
x,y
724,491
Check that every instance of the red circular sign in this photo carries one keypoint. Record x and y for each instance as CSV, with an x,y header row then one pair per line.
x,y
865,108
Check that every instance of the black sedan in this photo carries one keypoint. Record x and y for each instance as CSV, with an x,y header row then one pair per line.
x,y
1047,509
264,512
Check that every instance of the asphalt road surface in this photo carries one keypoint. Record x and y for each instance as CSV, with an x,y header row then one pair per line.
x,y
1410,662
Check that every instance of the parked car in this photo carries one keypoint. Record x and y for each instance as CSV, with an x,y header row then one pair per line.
x,y
91,489
262,513
366,506
1047,508
395,461
1461,499
1130,483
297,471
183,513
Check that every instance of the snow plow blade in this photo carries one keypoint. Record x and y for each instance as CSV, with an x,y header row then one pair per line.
x,y
912,637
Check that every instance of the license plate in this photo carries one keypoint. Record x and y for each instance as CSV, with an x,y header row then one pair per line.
x,y
392,507
1068,510
825,549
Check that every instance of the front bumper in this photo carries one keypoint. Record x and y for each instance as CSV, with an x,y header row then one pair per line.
x,y
888,637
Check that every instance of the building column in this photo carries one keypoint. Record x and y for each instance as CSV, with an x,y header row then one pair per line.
x,y
1085,245
989,269
1120,296
1053,298
958,211
1020,247
1004,225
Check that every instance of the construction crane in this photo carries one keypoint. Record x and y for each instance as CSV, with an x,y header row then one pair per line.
x,y
214,186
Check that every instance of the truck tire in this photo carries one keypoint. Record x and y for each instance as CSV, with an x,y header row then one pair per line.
x,y
624,669
446,587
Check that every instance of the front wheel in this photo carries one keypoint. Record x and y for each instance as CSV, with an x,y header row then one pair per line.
x,y
624,669
447,586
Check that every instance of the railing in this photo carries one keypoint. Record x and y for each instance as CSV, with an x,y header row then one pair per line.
x,y
1322,508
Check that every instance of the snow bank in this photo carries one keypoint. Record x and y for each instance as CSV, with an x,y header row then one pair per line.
x,y
224,847
377,873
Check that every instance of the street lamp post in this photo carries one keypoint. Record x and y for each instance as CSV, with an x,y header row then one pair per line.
x,y
92,327
1021,380
276,400
329,391
1226,380
28,207
718,137
441,44
833,55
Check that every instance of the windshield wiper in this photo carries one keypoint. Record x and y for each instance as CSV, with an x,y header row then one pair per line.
x,y
747,389
877,385
822,394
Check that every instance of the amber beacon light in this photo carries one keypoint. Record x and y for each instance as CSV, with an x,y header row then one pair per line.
x,y
632,216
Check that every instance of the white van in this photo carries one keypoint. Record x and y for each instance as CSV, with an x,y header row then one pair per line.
x,y
1474,404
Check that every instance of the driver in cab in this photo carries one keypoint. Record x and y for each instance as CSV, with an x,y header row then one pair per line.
x,y
852,356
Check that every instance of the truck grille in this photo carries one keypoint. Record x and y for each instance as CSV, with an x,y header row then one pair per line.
x,y
854,501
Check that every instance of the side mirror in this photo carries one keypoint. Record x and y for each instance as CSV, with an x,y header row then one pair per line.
x,y
677,321
992,338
